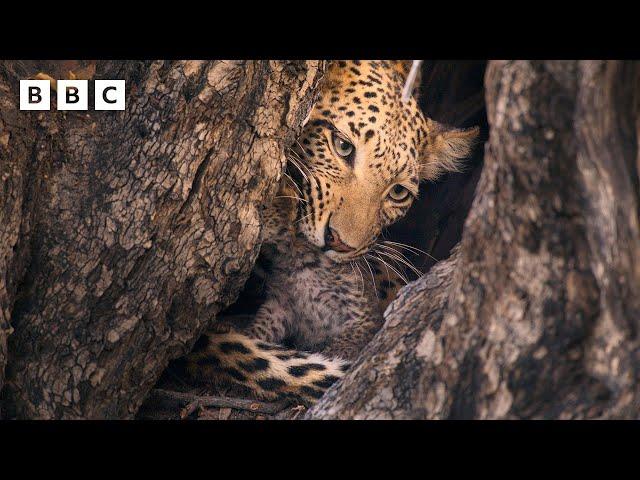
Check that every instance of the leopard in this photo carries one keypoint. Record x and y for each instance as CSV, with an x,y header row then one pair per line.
x,y
354,170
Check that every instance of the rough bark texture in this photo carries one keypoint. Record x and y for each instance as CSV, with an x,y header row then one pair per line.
x,y
122,234
13,179
536,314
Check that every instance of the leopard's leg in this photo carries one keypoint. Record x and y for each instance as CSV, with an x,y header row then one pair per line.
x,y
270,323
357,332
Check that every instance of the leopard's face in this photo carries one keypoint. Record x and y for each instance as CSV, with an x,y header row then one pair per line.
x,y
360,158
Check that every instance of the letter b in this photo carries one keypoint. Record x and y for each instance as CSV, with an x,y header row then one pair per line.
x,y
73,95
35,95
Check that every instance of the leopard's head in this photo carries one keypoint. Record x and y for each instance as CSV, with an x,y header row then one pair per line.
x,y
362,155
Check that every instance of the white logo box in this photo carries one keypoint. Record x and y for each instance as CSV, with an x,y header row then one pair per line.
x,y
72,95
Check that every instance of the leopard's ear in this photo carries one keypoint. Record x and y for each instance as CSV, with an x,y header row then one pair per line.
x,y
403,67
445,148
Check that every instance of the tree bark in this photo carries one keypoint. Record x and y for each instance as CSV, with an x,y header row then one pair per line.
x,y
536,314
122,234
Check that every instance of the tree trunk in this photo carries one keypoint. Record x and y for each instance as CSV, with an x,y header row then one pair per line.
x,y
122,234
536,314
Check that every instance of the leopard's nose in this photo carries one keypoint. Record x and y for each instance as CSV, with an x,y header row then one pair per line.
x,y
332,241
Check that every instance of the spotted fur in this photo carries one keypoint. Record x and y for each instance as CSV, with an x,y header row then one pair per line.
x,y
324,223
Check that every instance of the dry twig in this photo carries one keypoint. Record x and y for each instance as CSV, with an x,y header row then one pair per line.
x,y
192,402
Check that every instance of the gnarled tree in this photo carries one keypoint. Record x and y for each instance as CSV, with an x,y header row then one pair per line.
x,y
122,234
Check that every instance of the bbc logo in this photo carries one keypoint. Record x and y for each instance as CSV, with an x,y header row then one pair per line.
x,y
72,95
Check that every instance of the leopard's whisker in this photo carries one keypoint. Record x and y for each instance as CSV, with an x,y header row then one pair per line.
x,y
405,246
404,260
411,248
393,258
361,277
392,269
292,149
302,218
295,164
299,144
296,156
398,252
373,279
398,256
296,161
401,261
293,197
302,148
301,163
352,268
409,265
293,182
385,265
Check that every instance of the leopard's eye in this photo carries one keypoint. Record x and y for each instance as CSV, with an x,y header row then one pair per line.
x,y
398,193
343,147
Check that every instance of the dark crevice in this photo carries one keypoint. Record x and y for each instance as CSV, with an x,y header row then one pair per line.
x,y
452,92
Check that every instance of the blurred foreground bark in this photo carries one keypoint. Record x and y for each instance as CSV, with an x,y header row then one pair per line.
x,y
122,234
536,314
